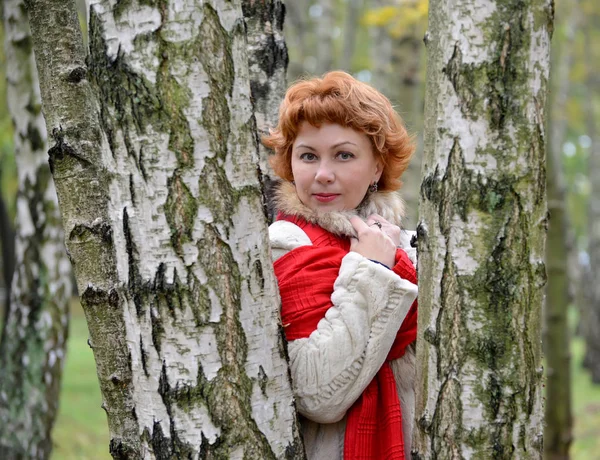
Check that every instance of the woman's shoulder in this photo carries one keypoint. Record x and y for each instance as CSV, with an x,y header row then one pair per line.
x,y
285,236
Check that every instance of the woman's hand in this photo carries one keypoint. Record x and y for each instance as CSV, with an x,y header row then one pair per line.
x,y
372,242
391,230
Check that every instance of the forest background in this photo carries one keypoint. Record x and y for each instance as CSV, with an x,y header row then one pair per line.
x,y
381,42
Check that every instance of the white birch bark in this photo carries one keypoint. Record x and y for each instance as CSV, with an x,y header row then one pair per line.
x,y
34,336
267,61
166,229
481,239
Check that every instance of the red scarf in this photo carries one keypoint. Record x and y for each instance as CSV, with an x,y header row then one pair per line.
x,y
306,276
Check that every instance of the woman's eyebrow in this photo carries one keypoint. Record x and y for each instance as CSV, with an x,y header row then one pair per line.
x,y
332,147
342,143
305,146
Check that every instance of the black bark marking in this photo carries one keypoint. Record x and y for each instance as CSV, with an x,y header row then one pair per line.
x,y
120,451
61,151
35,138
132,191
272,54
144,357
135,280
102,230
259,276
263,380
77,74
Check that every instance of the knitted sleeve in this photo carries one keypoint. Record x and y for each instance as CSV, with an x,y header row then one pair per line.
x,y
333,365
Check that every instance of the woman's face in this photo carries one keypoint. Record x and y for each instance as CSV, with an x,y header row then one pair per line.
x,y
333,166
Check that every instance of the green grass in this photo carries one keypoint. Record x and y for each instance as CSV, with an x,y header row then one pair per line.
x,y
586,408
81,430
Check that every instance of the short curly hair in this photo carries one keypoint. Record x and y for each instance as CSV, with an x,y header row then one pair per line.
x,y
339,98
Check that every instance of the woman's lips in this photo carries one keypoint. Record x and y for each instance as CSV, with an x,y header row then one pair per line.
x,y
325,197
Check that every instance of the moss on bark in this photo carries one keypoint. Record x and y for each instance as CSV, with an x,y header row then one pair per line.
x,y
482,233
160,248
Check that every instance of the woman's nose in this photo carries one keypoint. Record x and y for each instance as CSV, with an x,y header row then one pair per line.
x,y
324,173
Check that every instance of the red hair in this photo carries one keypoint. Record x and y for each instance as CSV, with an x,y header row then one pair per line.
x,y
339,98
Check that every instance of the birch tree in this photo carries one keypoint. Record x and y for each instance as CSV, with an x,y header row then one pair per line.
x,y
7,238
298,31
381,53
154,156
481,238
33,344
397,51
592,310
325,24
559,249
268,60
353,9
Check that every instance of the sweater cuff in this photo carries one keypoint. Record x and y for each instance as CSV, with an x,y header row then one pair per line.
x,y
380,263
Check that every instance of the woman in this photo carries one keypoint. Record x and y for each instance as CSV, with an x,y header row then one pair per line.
x,y
348,287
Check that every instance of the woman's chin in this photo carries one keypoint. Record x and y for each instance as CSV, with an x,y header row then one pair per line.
x,y
327,207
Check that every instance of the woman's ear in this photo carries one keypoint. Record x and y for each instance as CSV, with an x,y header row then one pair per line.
x,y
378,171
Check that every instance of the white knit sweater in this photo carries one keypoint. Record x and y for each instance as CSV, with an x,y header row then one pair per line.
x,y
331,368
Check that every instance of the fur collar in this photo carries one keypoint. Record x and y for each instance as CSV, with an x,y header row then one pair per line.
x,y
388,205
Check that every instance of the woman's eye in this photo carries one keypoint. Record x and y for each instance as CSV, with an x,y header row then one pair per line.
x,y
308,156
345,155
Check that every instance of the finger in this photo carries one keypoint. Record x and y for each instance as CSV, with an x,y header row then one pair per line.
x,y
373,222
380,218
358,224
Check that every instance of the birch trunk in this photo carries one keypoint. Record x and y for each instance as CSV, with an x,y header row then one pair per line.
x,y
268,60
381,53
298,32
559,249
324,44
32,348
592,317
481,239
351,24
7,246
155,158
406,94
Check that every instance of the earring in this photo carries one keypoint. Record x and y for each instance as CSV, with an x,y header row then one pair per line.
x,y
373,187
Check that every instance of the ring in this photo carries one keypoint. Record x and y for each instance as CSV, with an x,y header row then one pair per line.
x,y
377,223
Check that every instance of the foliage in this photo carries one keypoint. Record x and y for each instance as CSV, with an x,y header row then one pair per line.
x,y
399,18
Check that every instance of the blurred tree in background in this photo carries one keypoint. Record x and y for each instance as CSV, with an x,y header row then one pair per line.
x,y
34,334
591,309
561,256
8,185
